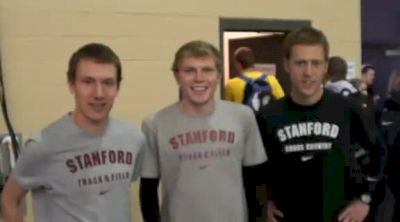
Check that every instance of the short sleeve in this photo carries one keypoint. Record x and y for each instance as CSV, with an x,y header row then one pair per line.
x,y
30,168
139,159
150,166
254,151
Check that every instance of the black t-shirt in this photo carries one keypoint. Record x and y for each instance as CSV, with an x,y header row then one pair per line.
x,y
311,168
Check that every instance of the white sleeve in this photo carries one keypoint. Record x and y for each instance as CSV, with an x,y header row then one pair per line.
x,y
254,151
150,166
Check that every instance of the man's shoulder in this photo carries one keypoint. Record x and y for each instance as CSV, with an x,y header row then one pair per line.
x,y
234,80
339,101
333,97
122,124
247,74
165,113
275,106
229,107
239,80
58,126
349,106
123,127
38,142
275,112
253,74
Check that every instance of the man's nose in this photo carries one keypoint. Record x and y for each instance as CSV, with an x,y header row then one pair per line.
x,y
199,75
308,68
99,90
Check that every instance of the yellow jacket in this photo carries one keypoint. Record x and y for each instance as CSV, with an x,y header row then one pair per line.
x,y
234,90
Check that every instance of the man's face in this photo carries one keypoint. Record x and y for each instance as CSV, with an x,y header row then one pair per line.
x,y
94,88
307,67
198,78
369,77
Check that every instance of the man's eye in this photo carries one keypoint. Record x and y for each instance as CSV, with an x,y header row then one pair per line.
x,y
87,81
189,71
318,63
109,82
301,63
208,70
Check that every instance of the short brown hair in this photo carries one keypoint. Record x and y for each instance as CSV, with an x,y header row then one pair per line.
x,y
97,52
197,49
305,36
337,67
366,67
245,57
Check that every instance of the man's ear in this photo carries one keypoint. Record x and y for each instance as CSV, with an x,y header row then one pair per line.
x,y
286,65
326,70
71,87
176,76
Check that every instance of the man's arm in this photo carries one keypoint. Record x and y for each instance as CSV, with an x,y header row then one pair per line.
x,y
150,173
255,191
11,199
392,169
256,195
149,199
365,134
269,170
355,211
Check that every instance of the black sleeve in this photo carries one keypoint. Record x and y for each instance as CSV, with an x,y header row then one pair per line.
x,y
149,199
255,191
392,168
365,133
269,171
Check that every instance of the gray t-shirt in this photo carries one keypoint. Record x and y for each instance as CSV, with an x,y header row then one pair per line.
x,y
200,159
77,176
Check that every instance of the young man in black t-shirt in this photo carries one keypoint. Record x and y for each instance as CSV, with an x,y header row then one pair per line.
x,y
312,174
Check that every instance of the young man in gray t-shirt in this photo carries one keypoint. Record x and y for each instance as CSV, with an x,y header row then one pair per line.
x,y
198,146
80,167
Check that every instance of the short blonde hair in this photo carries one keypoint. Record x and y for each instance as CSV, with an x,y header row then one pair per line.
x,y
197,49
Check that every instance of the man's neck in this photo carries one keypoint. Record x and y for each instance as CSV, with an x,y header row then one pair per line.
x,y
197,110
307,100
92,127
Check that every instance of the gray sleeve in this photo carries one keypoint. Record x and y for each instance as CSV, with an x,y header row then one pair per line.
x,y
254,151
150,166
30,167
139,159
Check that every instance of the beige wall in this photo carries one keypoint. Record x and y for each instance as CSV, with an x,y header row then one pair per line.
x,y
37,38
